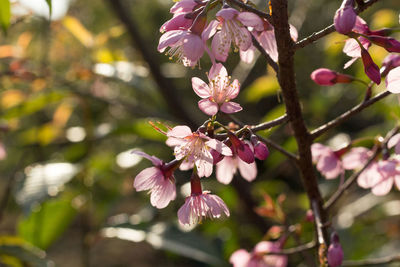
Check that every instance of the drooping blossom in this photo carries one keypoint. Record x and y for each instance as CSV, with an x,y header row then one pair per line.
x,y
194,148
370,68
242,159
201,204
328,162
159,179
259,257
328,77
179,21
345,17
390,62
380,177
335,251
393,81
183,6
217,95
232,31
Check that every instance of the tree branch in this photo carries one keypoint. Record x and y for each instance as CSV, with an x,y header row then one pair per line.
x,y
270,61
376,261
287,82
164,85
335,197
329,29
338,120
250,9
267,125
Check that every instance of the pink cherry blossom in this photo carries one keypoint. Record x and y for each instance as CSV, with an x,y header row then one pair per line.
x,y
185,45
217,95
183,6
199,206
393,81
328,163
177,22
229,165
259,256
158,179
195,148
356,158
351,47
232,30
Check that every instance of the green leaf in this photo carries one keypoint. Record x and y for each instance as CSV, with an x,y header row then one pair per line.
x,y
42,227
5,14
19,249
50,7
262,87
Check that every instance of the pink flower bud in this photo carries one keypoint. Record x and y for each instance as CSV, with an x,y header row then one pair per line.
x,y
328,77
217,157
370,68
309,216
389,43
345,19
335,251
261,151
242,149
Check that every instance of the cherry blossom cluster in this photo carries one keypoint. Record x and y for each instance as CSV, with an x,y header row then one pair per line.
x,y
185,38
362,37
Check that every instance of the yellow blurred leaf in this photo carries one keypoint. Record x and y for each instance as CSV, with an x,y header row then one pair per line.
x,y
262,87
384,18
24,40
48,133
78,30
334,43
62,114
38,85
104,55
12,98
7,51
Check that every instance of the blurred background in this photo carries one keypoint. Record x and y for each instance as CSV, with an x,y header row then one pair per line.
x,y
76,95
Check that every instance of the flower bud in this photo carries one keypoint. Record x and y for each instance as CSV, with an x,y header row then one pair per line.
x,y
370,68
389,43
390,62
328,77
217,157
261,150
335,251
242,149
345,18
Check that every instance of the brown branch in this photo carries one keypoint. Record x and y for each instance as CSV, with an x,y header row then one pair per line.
x,y
165,86
335,197
267,125
287,82
329,29
250,9
277,147
294,250
338,120
376,261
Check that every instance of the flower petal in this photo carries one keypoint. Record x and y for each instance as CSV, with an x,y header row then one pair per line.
x,y
156,161
230,107
219,147
393,81
180,131
200,88
220,46
147,178
210,30
169,38
226,168
250,19
163,193
208,107
247,171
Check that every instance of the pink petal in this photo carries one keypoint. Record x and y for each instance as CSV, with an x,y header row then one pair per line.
x,y
226,168
382,187
393,81
329,166
397,181
247,171
180,131
217,206
268,42
205,164
200,88
234,90
240,258
356,158
220,47
183,6
210,30
394,140
218,70
185,214
169,38
227,13
230,107
193,47
186,165
352,49
293,32
219,147
368,177
147,178
245,41
156,161
317,150
248,55
172,141
265,247
163,193
208,107
251,20
350,62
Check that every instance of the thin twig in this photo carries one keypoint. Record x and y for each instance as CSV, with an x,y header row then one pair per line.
x,y
267,125
338,120
376,261
294,250
277,147
329,29
250,8
320,232
335,197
